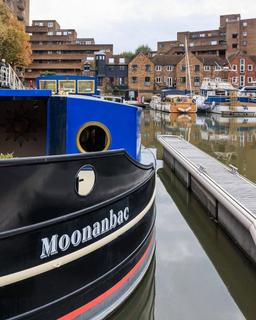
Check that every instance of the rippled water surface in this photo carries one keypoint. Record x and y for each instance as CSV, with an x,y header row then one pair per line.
x,y
198,273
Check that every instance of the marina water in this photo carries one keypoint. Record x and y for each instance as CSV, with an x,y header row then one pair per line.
x,y
198,272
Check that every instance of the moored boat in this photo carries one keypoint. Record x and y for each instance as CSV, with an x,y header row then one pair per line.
x,y
76,207
174,104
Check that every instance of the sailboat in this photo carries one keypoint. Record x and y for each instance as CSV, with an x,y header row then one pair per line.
x,y
179,103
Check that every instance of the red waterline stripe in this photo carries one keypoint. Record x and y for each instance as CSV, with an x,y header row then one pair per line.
x,y
109,292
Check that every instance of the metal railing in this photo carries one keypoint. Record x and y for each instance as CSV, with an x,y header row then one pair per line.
x,y
9,78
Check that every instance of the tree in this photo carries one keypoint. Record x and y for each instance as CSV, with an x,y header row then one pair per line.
x,y
14,42
143,48
128,54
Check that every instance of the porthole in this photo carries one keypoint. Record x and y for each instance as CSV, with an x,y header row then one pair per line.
x,y
85,180
92,137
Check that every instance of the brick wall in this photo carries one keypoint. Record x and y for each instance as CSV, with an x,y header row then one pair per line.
x,y
196,71
244,73
141,74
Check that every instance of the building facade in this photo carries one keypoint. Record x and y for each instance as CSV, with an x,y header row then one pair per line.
x,y
59,51
20,9
242,70
112,72
141,75
233,35
165,71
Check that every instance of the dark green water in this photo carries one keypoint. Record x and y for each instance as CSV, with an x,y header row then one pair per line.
x,y
200,274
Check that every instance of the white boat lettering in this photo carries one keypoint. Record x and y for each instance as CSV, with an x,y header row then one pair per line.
x,y
56,243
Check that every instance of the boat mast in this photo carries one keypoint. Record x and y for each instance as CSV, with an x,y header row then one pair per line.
x,y
188,66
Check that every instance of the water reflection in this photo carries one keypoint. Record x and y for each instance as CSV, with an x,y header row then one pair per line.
x,y
235,270
231,140
140,305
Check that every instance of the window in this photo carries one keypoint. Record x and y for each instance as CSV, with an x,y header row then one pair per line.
x,y
244,24
250,80
234,45
50,24
197,81
111,60
217,68
67,85
59,52
218,79
121,60
214,43
121,68
207,68
169,82
158,80
250,67
245,34
191,44
234,35
242,65
234,80
147,67
202,35
111,68
244,43
134,67
158,68
86,67
183,68
182,79
49,52
242,81
90,58
197,68
50,33
234,67
169,68
147,81
134,79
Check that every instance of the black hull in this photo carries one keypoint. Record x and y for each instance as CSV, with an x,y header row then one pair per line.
x,y
87,278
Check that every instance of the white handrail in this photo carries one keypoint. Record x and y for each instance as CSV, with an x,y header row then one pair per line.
x,y
9,78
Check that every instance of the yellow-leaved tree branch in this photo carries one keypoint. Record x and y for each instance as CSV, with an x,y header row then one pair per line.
x,y
14,41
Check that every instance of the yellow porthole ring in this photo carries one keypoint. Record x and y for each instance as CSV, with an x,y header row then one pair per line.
x,y
90,124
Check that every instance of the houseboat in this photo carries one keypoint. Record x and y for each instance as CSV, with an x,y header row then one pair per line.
x,y
174,104
77,208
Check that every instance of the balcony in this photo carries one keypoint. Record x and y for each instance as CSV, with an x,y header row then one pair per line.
x,y
51,66
36,29
47,56
46,37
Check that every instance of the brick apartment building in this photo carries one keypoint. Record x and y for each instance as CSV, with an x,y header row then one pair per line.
x,y
60,51
201,67
165,70
243,70
20,9
141,75
234,34
148,75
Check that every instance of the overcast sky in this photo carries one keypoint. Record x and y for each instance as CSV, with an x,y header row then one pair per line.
x,y
129,23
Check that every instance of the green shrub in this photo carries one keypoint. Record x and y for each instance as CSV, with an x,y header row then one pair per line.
x,y
6,156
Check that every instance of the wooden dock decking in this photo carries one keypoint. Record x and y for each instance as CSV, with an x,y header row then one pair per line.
x,y
230,196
